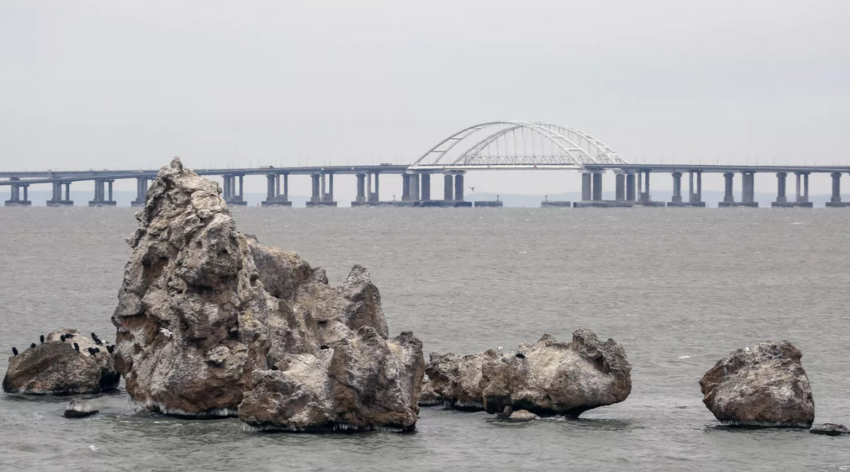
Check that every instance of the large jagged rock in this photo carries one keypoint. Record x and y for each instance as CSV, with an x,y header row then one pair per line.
x,y
552,377
547,378
764,386
208,317
55,367
459,381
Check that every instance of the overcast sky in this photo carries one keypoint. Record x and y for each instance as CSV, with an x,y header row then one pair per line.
x,y
118,84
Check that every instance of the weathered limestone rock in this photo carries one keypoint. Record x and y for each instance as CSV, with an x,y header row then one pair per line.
x,y
763,386
546,378
80,409
427,396
208,317
553,377
362,383
55,367
830,429
460,381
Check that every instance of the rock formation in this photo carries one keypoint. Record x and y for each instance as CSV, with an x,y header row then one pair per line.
x,y
763,386
553,377
547,378
459,381
209,319
427,395
80,409
55,367
830,429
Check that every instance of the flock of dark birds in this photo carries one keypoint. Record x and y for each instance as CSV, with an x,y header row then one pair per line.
x,y
93,351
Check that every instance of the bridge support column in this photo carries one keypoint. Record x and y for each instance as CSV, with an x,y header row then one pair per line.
x,y
231,195
728,195
100,194
273,197
677,187
15,197
620,187
414,187
834,202
314,197
405,187
361,191
803,190
426,187
459,202
448,188
749,193
781,197
586,187
597,187
328,197
694,193
57,199
375,196
631,192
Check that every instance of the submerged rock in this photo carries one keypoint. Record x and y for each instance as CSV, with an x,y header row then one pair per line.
x,y
209,319
80,409
553,377
460,381
55,367
830,429
547,378
764,386
521,416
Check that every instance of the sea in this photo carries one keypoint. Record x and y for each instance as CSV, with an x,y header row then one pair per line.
x,y
679,288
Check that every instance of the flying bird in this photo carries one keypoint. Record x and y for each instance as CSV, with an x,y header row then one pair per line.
x,y
472,188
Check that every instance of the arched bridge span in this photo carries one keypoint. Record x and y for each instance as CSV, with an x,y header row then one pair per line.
x,y
517,145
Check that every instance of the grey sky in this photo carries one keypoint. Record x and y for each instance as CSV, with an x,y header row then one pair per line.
x,y
97,84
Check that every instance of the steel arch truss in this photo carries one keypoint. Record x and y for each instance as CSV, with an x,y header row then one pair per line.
x,y
517,145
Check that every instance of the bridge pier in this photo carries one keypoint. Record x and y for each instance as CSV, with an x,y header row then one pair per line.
x,y
57,199
100,197
426,187
591,186
728,195
459,201
645,192
803,192
448,188
361,191
630,187
405,187
835,201
15,197
781,197
322,190
273,196
414,187
375,197
694,194
620,187
231,196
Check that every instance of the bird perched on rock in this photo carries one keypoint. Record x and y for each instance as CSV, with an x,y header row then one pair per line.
x,y
15,351
62,337
32,345
41,338
96,339
110,349
68,335
97,350
76,347
166,332
520,355
323,347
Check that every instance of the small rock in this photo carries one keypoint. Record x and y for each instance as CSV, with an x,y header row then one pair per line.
x,y
522,416
829,429
79,409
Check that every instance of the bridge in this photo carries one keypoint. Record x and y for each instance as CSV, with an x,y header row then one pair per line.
x,y
497,145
